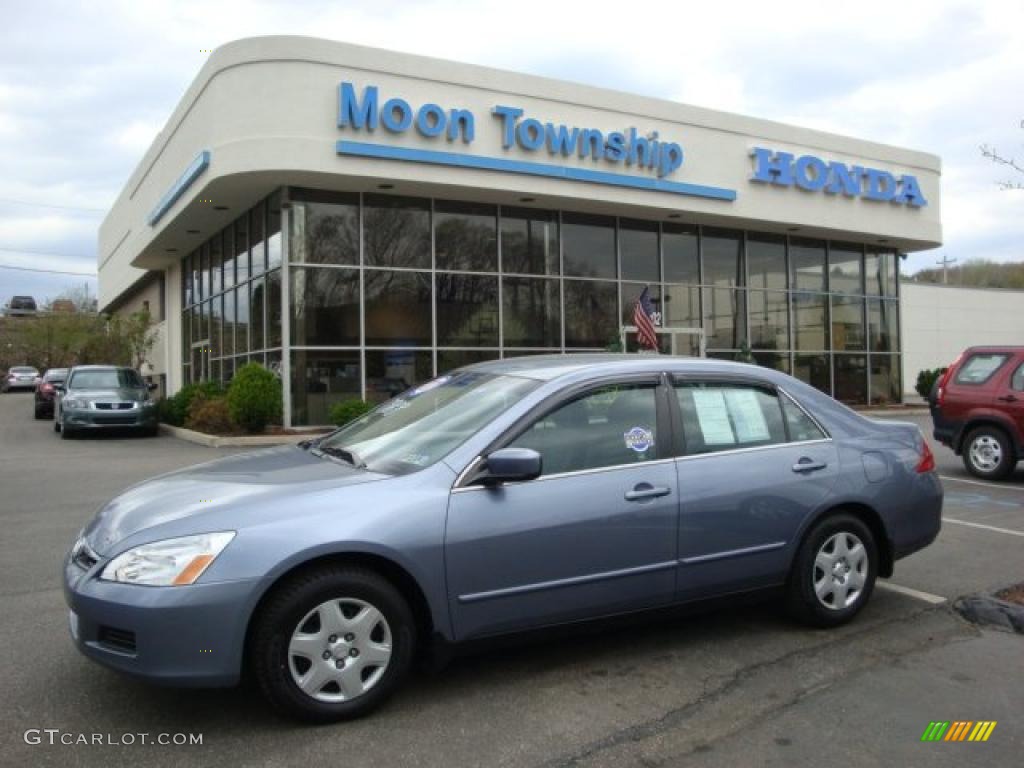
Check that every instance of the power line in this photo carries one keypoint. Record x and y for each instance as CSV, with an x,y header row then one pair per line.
x,y
43,253
55,207
47,271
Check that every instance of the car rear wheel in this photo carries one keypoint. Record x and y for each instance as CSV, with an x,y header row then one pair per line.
x,y
332,644
834,571
987,453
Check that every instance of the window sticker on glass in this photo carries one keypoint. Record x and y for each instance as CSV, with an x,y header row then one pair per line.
x,y
639,439
747,416
713,417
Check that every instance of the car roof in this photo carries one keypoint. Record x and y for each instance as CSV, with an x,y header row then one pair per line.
x,y
102,368
997,348
550,367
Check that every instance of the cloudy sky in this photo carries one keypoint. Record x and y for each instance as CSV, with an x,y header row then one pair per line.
x,y
84,88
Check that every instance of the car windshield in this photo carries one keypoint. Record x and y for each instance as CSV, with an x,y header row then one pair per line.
x,y
105,379
56,375
23,370
423,424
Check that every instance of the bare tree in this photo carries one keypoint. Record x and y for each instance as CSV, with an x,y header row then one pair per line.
x,y
996,157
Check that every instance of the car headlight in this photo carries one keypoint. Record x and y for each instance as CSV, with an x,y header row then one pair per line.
x,y
72,402
167,563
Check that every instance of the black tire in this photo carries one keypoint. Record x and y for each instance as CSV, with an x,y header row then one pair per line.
x,y
286,606
801,599
56,423
1007,458
66,433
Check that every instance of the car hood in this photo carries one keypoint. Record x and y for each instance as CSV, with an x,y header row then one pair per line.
x,y
244,483
119,393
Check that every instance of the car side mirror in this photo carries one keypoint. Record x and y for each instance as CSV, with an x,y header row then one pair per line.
x,y
512,464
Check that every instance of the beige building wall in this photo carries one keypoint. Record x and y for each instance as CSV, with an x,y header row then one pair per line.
x,y
939,321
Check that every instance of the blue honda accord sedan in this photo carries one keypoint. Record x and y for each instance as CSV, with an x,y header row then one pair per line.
x,y
503,497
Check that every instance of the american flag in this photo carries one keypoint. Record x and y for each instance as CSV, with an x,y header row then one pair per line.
x,y
643,319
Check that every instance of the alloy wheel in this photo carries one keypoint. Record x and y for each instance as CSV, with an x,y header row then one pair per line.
x,y
840,571
986,453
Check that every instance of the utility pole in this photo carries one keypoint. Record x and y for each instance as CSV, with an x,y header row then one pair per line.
x,y
944,263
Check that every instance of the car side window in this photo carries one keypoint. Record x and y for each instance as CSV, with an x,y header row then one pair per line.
x,y
1017,381
801,426
605,427
726,416
979,368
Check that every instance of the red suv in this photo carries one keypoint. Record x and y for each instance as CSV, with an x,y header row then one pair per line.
x,y
978,409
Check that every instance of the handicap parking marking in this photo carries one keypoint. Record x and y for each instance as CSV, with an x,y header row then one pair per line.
x,y
997,486
973,499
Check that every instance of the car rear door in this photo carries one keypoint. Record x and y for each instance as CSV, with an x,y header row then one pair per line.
x,y
595,534
1009,397
754,465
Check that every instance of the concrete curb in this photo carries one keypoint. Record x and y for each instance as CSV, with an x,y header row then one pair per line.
x,y
216,441
991,611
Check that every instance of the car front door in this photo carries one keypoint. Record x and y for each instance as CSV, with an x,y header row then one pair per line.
x,y
753,466
595,534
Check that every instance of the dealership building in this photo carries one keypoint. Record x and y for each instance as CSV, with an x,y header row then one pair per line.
x,y
362,220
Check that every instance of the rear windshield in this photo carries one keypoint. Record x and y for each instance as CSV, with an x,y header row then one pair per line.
x,y
109,379
58,375
24,370
979,368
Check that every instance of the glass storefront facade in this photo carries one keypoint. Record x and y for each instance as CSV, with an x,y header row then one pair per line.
x,y
386,291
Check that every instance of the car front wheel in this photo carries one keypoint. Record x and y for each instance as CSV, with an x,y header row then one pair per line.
x,y
988,453
332,644
834,572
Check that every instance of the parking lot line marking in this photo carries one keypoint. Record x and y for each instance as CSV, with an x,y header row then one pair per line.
x,y
981,525
928,597
997,486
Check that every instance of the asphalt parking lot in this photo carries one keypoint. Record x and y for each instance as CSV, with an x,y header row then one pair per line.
x,y
739,686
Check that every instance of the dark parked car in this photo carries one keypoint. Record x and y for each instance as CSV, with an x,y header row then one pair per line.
x,y
98,397
503,497
20,377
46,391
977,409
21,306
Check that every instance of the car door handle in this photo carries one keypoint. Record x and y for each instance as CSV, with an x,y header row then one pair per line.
x,y
1007,399
809,465
647,491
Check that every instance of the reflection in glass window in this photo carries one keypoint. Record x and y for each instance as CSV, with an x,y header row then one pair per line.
x,y
725,313
529,241
851,378
680,253
204,273
630,292
397,308
325,307
681,306
242,319
883,325
778,361
609,427
450,359
801,426
467,310
390,372
588,245
465,236
229,323
591,313
807,264
216,265
810,330
274,308
848,324
769,319
721,250
724,417
325,232
813,370
880,272
885,379
396,231
274,231
236,264
766,262
846,268
257,315
257,241
638,248
216,316
532,312
321,379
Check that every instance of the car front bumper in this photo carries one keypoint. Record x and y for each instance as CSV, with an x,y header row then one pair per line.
x,y
88,418
180,636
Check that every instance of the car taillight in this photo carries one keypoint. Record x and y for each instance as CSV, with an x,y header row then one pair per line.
x,y
47,387
927,460
940,393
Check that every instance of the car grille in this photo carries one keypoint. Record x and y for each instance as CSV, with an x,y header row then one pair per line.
x,y
121,406
120,640
114,420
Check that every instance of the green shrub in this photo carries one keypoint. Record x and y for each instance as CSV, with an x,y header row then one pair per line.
x,y
926,380
210,415
254,397
173,410
348,410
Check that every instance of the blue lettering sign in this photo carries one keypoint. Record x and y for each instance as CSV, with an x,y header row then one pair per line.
x,y
811,173
397,116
